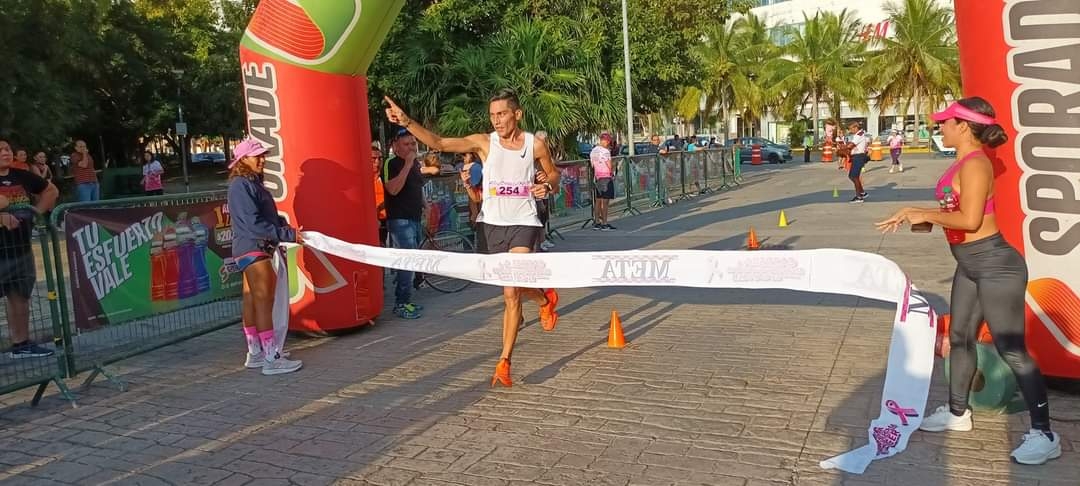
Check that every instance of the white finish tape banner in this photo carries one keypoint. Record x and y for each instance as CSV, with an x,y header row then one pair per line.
x,y
911,352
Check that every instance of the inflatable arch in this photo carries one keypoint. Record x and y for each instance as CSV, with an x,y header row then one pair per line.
x,y
303,64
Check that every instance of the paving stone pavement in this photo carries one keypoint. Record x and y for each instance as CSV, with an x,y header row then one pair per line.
x,y
716,387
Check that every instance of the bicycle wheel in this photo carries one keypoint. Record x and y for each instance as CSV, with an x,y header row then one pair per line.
x,y
451,241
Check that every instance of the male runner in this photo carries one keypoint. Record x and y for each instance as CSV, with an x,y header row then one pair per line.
x,y
508,218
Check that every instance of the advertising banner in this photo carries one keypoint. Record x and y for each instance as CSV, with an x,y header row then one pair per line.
x,y
130,263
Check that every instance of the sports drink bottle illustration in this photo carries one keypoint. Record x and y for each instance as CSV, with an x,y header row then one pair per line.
x,y
198,255
157,268
172,263
185,240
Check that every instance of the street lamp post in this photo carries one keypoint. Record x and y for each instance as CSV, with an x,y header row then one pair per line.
x,y
702,104
626,69
181,130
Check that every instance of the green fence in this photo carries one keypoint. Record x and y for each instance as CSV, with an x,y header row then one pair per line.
x,y
107,280
643,181
118,278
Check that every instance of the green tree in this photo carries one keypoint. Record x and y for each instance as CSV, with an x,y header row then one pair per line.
x,y
41,100
430,53
562,91
823,62
921,62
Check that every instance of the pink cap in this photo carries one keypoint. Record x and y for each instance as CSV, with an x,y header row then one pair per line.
x,y
956,110
249,147
606,136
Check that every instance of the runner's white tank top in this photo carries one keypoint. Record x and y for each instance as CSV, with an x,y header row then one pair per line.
x,y
508,180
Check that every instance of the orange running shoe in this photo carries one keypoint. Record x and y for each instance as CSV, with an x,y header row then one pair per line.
x,y
548,316
502,373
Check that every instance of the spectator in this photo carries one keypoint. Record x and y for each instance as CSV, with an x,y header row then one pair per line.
x,y
20,160
40,166
404,208
604,172
86,181
152,172
896,144
380,192
17,268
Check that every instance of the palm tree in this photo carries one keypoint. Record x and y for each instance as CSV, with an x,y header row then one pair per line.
x,y
921,61
553,65
719,57
752,77
823,62
734,55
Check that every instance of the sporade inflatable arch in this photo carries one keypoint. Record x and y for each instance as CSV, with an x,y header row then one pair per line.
x,y
303,64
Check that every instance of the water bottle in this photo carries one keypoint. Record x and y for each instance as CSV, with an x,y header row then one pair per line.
x,y
950,203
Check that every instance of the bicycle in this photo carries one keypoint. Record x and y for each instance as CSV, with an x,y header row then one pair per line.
x,y
446,240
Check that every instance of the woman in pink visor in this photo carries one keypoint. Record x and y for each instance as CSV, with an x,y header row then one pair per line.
x,y
257,231
990,279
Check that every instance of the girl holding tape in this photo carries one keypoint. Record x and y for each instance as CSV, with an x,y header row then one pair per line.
x,y
257,231
990,280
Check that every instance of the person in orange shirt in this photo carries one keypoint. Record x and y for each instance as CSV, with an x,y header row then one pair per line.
x,y
20,160
380,194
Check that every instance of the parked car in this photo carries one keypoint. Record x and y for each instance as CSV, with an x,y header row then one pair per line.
x,y
771,152
640,148
208,158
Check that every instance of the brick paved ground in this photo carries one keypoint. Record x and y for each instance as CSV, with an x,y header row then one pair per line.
x,y
720,387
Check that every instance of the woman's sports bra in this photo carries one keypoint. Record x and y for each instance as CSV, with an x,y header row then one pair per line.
x,y
947,178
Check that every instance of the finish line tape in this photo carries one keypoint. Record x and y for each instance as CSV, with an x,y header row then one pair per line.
x,y
832,271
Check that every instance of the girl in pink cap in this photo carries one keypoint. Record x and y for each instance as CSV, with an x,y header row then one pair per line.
x,y
257,231
990,281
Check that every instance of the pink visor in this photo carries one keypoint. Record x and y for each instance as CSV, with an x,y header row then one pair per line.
x,y
249,147
956,110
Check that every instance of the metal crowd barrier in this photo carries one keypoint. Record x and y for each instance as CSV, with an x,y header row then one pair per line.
x,y
118,278
108,280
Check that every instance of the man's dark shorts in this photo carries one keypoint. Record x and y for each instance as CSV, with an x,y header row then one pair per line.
x,y
500,239
605,188
858,161
18,274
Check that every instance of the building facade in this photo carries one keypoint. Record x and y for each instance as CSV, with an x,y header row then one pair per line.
x,y
875,23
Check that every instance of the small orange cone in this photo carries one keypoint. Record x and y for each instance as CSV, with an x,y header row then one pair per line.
x,y
751,241
615,338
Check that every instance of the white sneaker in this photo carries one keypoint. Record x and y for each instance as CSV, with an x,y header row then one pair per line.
x,y
892,170
1037,448
257,360
943,419
901,167
281,366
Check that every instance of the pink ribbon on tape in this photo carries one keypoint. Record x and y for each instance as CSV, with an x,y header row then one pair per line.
x,y
901,412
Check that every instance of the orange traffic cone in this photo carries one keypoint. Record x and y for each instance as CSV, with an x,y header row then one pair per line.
x,y
751,241
615,338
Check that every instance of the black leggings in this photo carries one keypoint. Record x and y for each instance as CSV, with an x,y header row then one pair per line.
x,y
990,282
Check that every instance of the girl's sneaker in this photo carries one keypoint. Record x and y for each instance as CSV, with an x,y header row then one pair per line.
x,y
257,360
280,366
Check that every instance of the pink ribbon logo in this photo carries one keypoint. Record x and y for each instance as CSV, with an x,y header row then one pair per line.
x,y
901,412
